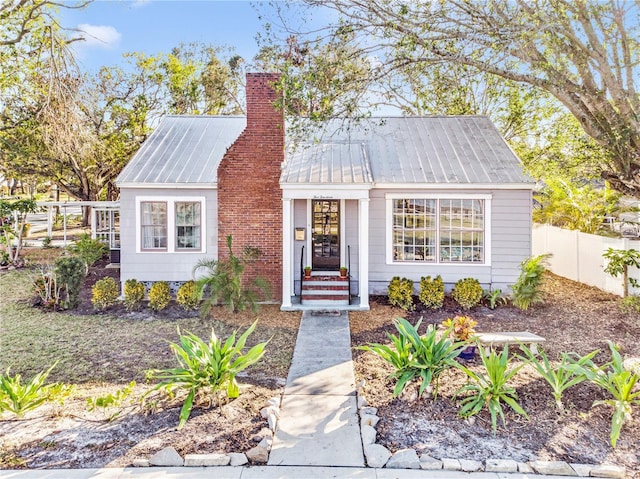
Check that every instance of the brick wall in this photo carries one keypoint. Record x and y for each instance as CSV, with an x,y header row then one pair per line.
x,y
249,195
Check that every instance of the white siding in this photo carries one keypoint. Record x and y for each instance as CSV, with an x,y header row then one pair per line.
x,y
163,266
510,242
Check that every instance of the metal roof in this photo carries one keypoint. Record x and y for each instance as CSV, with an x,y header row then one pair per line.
x,y
447,150
408,150
183,150
328,162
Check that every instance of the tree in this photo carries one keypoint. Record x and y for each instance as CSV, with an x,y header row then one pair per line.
x,y
36,64
13,217
575,207
203,79
585,53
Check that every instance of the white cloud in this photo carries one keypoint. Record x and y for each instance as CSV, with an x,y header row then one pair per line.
x,y
139,3
100,36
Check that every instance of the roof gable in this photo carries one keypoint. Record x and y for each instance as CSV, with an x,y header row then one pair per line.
x,y
183,150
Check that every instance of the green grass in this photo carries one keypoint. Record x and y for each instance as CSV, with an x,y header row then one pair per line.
x,y
111,349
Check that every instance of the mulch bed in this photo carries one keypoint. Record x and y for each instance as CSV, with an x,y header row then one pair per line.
x,y
574,317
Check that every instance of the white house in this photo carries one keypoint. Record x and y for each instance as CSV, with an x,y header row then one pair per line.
x,y
392,196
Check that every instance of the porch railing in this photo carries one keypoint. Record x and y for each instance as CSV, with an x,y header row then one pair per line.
x,y
301,268
349,270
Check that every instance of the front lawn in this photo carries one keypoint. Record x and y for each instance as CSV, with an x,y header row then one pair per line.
x,y
101,354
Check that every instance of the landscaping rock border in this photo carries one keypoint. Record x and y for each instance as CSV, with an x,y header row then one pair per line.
x,y
378,456
259,454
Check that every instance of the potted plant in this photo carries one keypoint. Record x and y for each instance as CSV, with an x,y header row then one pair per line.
x,y
343,271
462,328
307,271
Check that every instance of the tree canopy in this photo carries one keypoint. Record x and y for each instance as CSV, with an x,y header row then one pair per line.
x,y
585,54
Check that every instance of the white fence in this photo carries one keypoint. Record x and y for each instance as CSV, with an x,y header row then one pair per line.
x,y
578,256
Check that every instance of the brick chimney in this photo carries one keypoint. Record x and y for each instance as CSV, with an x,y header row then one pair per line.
x,y
249,194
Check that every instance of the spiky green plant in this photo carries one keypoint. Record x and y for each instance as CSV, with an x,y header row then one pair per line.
x,y
20,398
414,356
527,289
620,383
207,366
561,376
490,388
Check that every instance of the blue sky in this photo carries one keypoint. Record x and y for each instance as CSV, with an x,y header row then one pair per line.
x,y
115,27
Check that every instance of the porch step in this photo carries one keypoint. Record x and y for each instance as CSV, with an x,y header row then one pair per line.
x,y
325,290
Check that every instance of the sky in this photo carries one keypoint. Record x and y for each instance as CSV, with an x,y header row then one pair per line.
x,y
114,27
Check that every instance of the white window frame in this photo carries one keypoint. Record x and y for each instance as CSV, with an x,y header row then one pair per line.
x,y
171,224
389,197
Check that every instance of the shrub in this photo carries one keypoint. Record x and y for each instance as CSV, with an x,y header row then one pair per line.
x,y
133,294
414,356
224,279
401,293
490,388
70,273
467,292
159,295
88,250
20,398
432,292
187,296
207,366
104,293
527,289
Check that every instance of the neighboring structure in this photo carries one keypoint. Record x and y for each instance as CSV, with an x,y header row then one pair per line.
x,y
405,196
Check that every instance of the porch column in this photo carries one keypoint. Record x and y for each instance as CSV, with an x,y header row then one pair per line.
x,y
363,258
286,252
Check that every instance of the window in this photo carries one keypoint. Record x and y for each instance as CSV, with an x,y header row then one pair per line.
x,y
462,231
188,225
154,225
176,225
438,230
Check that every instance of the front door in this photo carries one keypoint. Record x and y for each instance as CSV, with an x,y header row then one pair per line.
x,y
326,234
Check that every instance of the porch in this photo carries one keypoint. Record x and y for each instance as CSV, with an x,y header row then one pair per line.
x,y
325,233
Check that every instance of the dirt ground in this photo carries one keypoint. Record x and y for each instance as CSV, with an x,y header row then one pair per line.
x,y
573,318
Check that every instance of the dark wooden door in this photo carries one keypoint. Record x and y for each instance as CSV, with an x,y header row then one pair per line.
x,y
326,235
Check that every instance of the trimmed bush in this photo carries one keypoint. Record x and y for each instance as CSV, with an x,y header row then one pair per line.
x,y
432,292
159,295
133,294
401,293
187,296
467,292
104,293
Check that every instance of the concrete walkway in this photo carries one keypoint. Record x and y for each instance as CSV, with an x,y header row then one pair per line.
x,y
318,423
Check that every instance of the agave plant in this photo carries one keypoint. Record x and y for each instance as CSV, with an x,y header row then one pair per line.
x,y
414,356
490,388
207,366
18,397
